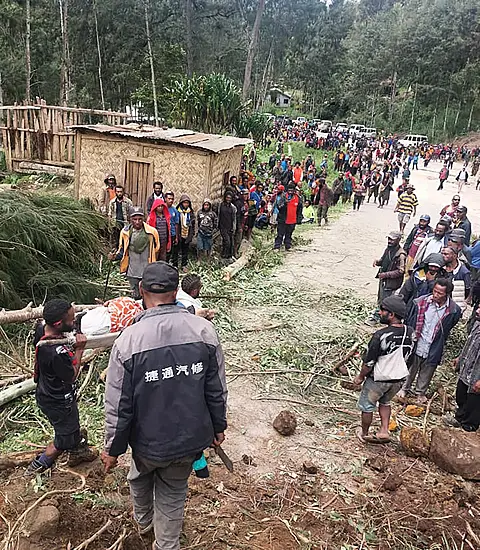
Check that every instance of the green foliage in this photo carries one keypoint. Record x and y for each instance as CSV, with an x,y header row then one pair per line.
x,y
395,65
209,103
254,125
48,248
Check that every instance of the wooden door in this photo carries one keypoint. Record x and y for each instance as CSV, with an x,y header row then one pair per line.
x,y
138,180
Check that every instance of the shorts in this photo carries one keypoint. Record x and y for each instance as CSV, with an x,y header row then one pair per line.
x,y
377,392
66,424
204,242
403,218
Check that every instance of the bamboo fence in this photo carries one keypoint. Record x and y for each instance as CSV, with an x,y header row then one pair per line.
x,y
43,134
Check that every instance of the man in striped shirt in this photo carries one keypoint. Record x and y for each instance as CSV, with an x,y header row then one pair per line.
x,y
406,206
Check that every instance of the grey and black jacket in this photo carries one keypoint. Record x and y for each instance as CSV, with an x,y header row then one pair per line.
x,y
166,392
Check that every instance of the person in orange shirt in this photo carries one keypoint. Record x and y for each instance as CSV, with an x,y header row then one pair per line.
x,y
297,174
290,212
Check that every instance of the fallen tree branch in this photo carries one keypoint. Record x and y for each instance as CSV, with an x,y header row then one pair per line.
x,y
429,404
30,313
14,460
93,342
12,380
17,390
95,535
119,542
307,404
347,357
239,264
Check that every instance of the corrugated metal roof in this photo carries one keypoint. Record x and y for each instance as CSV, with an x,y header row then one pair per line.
x,y
176,136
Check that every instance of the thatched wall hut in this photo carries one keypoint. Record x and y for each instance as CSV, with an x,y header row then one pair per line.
x,y
185,161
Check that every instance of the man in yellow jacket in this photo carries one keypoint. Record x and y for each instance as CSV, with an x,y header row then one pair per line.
x,y
138,246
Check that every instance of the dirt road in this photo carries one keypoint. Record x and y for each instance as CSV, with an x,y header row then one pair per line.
x,y
339,257
341,254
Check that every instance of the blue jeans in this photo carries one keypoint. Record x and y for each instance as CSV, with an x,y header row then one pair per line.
x,y
204,242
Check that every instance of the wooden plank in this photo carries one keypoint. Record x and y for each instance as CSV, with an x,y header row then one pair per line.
x,y
26,166
78,157
28,136
8,150
55,137
21,123
62,163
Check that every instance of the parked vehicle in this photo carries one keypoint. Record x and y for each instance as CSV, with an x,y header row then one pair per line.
x,y
300,120
357,129
325,125
413,140
369,133
341,127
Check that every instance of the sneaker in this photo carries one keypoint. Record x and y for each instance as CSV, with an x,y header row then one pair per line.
x,y
450,421
35,467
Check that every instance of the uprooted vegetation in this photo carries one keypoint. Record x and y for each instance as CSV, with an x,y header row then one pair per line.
x,y
282,346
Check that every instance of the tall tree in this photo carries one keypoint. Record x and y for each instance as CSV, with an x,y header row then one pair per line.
x,y
28,60
150,57
252,48
99,53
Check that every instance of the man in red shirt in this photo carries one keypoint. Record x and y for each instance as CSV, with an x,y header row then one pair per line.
x,y
290,208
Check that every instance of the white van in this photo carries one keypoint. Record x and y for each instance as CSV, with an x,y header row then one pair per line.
x,y
341,127
325,125
357,129
413,140
300,120
369,133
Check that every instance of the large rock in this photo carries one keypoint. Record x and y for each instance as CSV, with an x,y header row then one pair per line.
x,y
42,521
456,451
285,423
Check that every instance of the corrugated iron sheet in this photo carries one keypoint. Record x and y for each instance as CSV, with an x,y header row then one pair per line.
x,y
175,136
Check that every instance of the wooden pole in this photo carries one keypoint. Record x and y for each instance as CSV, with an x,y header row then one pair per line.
x,y
30,313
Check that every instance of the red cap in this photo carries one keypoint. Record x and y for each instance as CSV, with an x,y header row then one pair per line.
x,y
281,187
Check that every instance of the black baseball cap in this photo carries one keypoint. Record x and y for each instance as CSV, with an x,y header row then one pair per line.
x,y
395,305
159,277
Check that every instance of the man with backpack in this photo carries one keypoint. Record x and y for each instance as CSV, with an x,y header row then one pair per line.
x,y
384,369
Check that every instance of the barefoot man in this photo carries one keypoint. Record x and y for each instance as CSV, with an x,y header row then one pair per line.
x,y
385,342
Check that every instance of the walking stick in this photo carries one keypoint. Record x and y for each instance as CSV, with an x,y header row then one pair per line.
x,y
107,280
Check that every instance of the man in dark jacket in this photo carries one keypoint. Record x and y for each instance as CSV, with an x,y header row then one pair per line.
x,y
432,317
227,224
391,273
165,397
290,209
423,279
462,222
467,395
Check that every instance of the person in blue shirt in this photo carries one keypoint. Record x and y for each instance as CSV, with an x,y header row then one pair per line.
x,y
415,161
174,224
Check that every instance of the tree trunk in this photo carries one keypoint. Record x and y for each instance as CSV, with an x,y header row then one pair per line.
x,y
17,390
152,67
30,313
1,102
65,63
446,113
189,36
27,53
252,49
393,94
470,116
99,52
266,70
434,121
413,107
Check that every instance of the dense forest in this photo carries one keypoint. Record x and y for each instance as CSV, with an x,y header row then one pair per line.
x,y
399,65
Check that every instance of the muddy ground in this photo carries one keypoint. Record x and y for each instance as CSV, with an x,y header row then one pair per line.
x,y
361,497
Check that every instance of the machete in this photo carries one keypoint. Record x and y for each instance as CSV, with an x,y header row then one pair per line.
x,y
224,458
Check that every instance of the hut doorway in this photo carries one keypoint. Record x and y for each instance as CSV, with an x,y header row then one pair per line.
x,y
138,180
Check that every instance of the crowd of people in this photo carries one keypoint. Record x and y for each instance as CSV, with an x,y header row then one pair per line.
x,y
165,387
